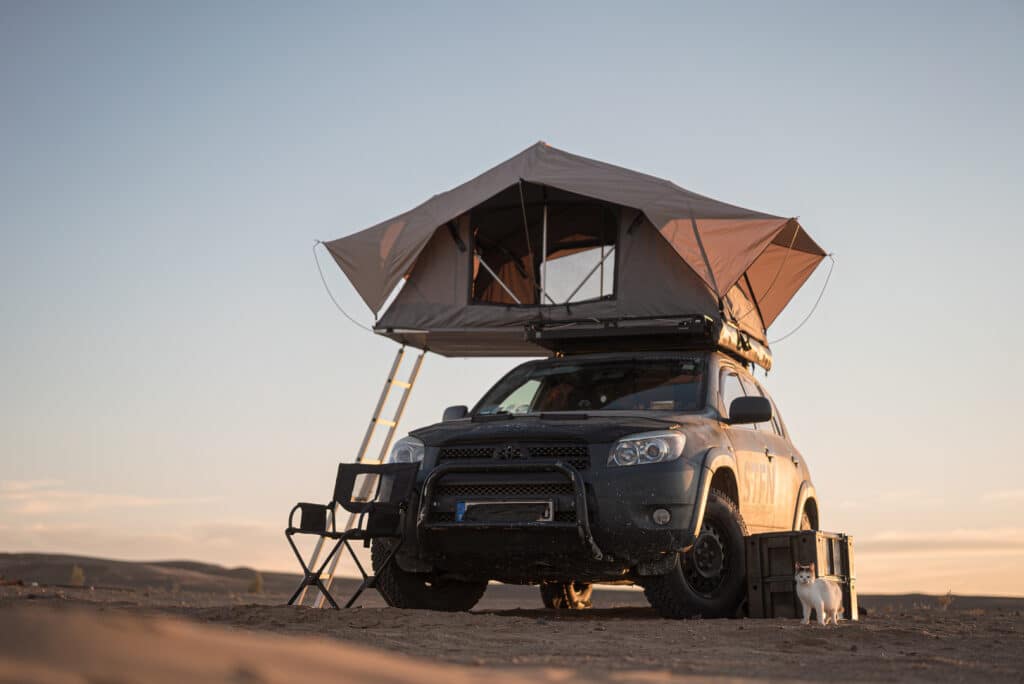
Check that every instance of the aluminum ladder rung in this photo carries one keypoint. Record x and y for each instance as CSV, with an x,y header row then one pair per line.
x,y
319,601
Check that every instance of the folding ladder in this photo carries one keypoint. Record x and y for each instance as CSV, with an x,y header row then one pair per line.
x,y
318,600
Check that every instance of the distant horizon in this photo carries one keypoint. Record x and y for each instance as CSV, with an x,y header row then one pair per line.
x,y
352,575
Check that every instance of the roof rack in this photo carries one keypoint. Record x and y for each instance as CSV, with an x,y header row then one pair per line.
x,y
675,333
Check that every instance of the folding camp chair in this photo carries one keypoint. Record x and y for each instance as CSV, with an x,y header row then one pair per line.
x,y
383,515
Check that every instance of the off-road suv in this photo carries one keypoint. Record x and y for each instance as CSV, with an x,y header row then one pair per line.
x,y
625,467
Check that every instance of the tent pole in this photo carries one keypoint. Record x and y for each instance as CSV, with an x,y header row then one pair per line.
x,y
529,248
544,256
588,276
707,264
497,279
753,298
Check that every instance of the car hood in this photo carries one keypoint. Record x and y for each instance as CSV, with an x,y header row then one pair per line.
x,y
591,429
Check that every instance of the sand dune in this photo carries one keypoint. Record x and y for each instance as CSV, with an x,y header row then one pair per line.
x,y
43,646
205,633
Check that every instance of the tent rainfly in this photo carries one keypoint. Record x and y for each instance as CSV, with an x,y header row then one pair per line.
x,y
552,239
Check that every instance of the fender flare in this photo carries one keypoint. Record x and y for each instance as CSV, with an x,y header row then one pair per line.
x,y
714,459
807,492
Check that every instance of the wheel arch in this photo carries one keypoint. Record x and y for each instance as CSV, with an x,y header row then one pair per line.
x,y
719,471
724,480
807,498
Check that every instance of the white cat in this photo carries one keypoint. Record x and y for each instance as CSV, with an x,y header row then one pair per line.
x,y
821,595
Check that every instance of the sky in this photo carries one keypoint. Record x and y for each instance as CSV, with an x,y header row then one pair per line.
x,y
175,378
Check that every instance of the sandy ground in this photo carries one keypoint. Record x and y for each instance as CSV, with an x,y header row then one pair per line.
x,y
124,633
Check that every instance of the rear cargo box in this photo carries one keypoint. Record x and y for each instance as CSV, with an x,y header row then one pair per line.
x,y
771,590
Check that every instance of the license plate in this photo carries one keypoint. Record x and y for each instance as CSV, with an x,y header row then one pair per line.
x,y
504,511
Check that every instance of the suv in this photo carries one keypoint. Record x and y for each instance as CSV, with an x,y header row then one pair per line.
x,y
630,467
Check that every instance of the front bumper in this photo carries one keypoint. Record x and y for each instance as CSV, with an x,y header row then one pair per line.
x,y
602,527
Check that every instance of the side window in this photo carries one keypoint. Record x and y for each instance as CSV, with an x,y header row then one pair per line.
x,y
776,421
729,389
755,390
751,390
776,418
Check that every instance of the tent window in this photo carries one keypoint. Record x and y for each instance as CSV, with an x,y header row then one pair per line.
x,y
588,274
513,264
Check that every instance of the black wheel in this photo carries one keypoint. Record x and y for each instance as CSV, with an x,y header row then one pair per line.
x,y
566,595
403,589
709,580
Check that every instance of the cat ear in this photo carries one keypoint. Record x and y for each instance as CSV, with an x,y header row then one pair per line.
x,y
796,566
811,567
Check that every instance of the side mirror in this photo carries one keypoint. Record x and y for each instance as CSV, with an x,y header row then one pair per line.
x,y
454,413
744,410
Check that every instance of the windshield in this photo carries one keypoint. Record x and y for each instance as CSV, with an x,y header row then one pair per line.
x,y
612,385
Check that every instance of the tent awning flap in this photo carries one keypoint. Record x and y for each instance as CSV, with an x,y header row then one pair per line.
x,y
721,243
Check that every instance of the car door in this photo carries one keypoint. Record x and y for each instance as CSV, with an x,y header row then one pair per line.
x,y
786,469
756,480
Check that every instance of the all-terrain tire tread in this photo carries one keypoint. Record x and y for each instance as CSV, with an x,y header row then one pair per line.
x,y
454,598
662,596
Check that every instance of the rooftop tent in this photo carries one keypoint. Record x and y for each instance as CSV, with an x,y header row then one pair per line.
x,y
551,237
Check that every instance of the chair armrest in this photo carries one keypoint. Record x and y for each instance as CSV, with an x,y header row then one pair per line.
x,y
306,528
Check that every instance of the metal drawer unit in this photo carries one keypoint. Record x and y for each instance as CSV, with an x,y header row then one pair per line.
x,y
771,557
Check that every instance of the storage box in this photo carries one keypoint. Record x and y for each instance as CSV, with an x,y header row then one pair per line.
x,y
771,590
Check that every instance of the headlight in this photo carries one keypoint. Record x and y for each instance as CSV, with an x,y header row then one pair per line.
x,y
406,450
647,447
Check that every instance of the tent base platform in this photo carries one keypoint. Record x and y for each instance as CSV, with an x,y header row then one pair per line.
x,y
683,333
591,335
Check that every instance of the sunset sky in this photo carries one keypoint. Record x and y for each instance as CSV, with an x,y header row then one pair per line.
x,y
174,376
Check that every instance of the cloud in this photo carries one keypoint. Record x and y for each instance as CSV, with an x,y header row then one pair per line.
x,y
891,498
1004,495
48,497
47,515
228,543
1008,539
234,532
23,486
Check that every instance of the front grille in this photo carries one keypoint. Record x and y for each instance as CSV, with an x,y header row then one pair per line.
x,y
517,490
466,453
575,455
449,516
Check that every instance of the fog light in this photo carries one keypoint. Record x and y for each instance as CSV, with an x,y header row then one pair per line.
x,y
661,516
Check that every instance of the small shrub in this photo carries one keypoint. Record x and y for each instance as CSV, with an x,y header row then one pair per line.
x,y
945,601
256,585
77,578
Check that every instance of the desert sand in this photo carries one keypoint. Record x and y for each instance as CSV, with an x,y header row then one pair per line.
x,y
192,622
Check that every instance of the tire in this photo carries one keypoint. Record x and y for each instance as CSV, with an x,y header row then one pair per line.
x,y
422,591
805,521
566,595
709,580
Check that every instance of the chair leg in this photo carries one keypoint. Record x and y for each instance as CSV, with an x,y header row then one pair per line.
x,y
362,571
327,594
311,578
305,571
369,581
